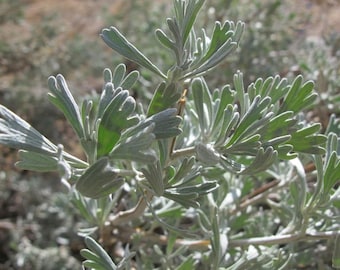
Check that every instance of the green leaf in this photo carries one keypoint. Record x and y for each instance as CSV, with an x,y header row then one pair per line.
x,y
92,257
115,119
187,16
17,133
221,35
203,101
107,75
279,125
130,80
333,126
263,160
93,265
219,241
275,88
82,205
99,180
118,75
106,97
187,195
62,98
229,122
248,146
252,120
182,178
298,187
231,165
330,172
300,96
200,189
306,140
187,200
184,170
165,40
135,147
115,40
119,78
154,176
166,125
36,162
224,98
223,42
165,96
97,256
188,264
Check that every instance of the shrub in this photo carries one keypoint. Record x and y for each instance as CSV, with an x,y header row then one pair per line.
x,y
227,178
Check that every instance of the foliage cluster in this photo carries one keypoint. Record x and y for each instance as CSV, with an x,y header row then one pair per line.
x,y
200,177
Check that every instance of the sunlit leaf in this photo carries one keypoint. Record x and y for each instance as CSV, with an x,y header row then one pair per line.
x,y
165,96
116,118
115,40
166,124
17,133
300,96
62,98
306,140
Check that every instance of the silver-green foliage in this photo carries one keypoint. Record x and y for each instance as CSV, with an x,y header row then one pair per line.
x,y
194,148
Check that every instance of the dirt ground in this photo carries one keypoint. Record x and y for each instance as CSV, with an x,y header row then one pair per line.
x,y
73,21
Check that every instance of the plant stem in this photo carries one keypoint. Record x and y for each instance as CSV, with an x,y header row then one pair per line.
x,y
284,239
124,234
261,196
183,152
133,213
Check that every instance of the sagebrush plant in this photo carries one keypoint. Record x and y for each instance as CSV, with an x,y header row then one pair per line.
x,y
198,178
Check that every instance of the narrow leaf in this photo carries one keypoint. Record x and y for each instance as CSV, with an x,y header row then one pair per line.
x,y
36,162
118,75
165,40
115,40
116,118
62,98
100,252
17,133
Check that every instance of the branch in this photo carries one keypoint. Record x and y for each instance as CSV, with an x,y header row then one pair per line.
x,y
284,239
133,213
184,152
125,233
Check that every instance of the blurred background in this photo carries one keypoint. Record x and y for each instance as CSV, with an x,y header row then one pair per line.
x,y
39,38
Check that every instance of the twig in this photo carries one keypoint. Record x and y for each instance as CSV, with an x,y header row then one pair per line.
x,y
183,152
276,185
284,239
133,213
124,234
